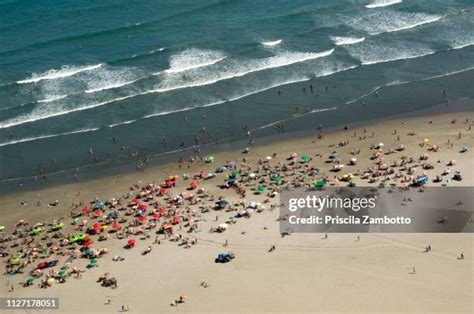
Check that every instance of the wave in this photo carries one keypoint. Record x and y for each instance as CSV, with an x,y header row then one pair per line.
x,y
193,59
372,53
402,57
265,126
460,46
382,3
37,115
260,65
271,43
277,61
40,137
51,99
111,86
339,41
65,71
380,22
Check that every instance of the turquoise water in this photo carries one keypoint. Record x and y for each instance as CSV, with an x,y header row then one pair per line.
x,y
115,77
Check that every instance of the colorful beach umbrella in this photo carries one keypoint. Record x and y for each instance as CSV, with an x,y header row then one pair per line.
x,y
305,158
116,226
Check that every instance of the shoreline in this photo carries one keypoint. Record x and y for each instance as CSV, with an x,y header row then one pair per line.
x,y
123,168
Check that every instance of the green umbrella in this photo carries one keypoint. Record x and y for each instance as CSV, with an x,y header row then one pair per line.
x,y
234,173
277,179
318,184
210,158
30,280
261,188
62,273
305,158
231,218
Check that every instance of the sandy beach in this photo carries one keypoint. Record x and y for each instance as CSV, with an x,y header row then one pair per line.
x,y
305,272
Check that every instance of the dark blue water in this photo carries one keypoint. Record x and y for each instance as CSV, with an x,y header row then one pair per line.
x,y
74,75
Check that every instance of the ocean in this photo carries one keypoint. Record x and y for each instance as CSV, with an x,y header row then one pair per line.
x,y
89,87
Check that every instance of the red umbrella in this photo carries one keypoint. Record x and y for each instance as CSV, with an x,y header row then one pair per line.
x,y
135,201
193,184
131,242
97,226
162,210
156,215
88,243
169,182
85,210
142,218
116,226
163,190
175,219
143,206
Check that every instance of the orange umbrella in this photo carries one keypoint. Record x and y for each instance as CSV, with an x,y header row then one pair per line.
x,y
116,226
98,213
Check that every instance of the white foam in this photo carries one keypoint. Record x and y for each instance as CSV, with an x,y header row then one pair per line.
x,y
271,43
111,86
45,113
339,41
372,53
463,45
192,59
65,71
53,98
380,22
281,60
40,137
241,69
382,3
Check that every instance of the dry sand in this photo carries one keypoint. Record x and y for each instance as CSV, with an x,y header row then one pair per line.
x,y
304,274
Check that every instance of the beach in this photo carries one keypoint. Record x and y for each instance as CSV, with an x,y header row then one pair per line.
x,y
304,272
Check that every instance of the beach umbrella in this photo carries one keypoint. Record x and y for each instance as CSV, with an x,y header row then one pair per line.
x,y
131,242
234,173
135,201
223,226
277,179
88,243
15,261
143,206
319,184
98,213
381,145
261,188
268,158
50,281
58,226
156,215
41,265
305,158
62,273
167,226
2,228
99,204
169,182
30,280
97,226
175,219
86,210
116,226
142,218
193,184
252,175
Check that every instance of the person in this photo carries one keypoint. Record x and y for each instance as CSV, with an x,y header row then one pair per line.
x,y
461,256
